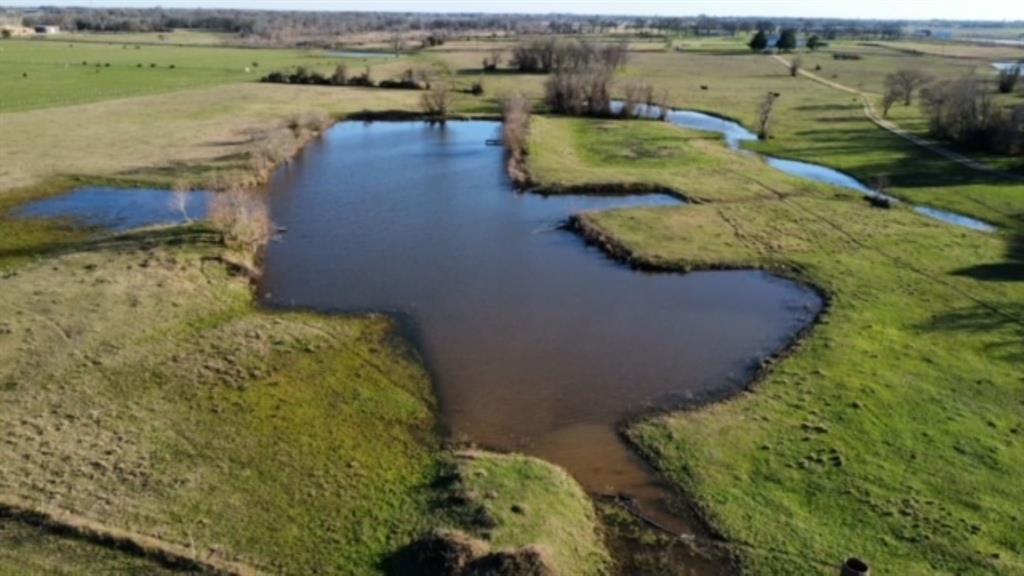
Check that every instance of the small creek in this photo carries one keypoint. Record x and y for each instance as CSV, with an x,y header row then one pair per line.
x,y
735,134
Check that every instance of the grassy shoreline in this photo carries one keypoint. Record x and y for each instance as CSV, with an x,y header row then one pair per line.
x,y
800,437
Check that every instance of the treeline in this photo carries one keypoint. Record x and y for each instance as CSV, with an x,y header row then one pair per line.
x,y
267,23
554,54
963,110
409,80
321,26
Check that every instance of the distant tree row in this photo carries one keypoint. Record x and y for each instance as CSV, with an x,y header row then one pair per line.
x,y
555,54
326,27
409,80
786,42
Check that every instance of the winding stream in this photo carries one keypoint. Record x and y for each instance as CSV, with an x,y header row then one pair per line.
x,y
735,134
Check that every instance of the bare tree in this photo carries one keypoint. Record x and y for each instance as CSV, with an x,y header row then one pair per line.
x,y
397,43
179,200
906,82
243,219
437,101
661,103
340,76
794,65
764,114
492,61
635,94
889,97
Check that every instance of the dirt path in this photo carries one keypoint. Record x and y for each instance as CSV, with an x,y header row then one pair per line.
x,y
872,114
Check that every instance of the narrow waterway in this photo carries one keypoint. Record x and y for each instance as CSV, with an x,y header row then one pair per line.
x,y
735,134
537,342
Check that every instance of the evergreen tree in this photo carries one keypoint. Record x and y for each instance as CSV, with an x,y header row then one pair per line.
x,y
759,42
787,41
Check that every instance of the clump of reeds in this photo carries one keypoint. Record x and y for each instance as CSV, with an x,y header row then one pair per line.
x,y
516,113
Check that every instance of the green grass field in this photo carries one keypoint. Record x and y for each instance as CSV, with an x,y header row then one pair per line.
x,y
177,37
38,74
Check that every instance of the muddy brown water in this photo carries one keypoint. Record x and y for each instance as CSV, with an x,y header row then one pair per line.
x,y
537,342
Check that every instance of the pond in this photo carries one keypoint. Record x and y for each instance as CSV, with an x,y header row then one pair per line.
x,y
120,209
537,342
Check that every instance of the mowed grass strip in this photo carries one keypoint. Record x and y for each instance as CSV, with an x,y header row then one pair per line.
x,y
894,433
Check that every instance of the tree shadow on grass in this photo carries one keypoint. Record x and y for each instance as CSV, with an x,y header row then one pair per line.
x,y
1011,270
981,320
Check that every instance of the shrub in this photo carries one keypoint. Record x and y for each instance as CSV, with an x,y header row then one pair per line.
x,y
243,219
340,75
764,115
407,81
759,42
846,56
1008,79
636,93
492,62
794,66
437,101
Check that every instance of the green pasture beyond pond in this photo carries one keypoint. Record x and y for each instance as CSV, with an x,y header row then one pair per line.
x,y
38,74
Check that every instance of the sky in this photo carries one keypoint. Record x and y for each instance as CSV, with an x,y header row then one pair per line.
x,y
876,9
